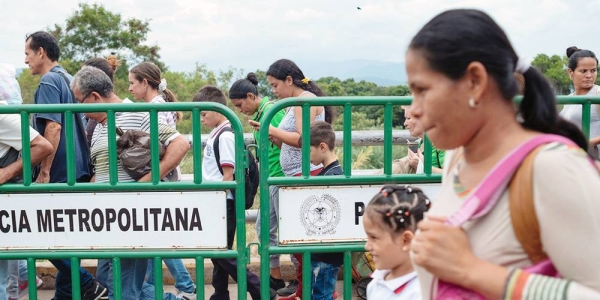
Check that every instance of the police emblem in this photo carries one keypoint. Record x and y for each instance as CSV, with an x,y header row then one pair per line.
x,y
320,215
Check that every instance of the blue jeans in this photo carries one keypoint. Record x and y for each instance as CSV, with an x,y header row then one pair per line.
x,y
102,271
22,270
63,278
323,280
8,268
3,279
274,261
183,280
148,293
133,272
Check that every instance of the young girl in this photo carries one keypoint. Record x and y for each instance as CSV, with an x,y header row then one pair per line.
x,y
390,221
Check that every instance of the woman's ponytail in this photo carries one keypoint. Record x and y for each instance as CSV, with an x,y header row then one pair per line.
x,y
170,97
538,110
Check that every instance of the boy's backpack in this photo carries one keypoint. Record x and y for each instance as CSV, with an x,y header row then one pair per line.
x,y
252,176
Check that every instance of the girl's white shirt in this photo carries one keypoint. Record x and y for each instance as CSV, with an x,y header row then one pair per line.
x,y
405,287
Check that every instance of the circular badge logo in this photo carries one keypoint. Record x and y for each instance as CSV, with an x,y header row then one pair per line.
x,y
320,215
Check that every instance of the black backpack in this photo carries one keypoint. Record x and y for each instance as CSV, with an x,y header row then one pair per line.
x,y
252,176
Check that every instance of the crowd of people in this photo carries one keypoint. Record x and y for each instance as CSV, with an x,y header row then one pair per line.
x,y
503,226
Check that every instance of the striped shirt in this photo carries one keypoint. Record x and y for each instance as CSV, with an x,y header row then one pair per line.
x,y
125,121
167,117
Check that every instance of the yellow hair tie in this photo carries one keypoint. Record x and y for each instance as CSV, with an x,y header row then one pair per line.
x,y
306,80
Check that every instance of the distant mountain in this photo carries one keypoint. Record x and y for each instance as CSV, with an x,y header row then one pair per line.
x,y
380,72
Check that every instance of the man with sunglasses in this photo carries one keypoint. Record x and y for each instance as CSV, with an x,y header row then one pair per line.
x,y
92,85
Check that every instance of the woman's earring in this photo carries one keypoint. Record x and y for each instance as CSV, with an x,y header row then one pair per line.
x,y
472,103
404,248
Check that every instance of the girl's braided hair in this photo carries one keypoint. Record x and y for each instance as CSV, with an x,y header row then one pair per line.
x,y
399,207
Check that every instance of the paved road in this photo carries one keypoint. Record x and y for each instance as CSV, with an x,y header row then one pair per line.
x,y
48,294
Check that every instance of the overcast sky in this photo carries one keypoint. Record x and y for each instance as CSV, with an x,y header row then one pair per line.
x,y
251,34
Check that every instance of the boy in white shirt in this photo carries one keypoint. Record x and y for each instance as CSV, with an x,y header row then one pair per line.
x,y
221,143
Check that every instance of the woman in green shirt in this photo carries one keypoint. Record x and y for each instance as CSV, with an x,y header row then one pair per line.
x,y
244,96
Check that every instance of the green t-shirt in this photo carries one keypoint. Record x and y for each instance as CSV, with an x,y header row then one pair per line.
x,y
437,156
274,151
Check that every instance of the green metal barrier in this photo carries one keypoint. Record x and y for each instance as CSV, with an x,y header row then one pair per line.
x,y
241,253
347,179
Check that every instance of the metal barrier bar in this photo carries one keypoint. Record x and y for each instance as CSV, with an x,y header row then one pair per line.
x,y
199,277
347,275
154,159
116,265
240,253
110,254
75,279
585,118
196,147
70,148
158,278
31,277
347,140
305,139
116,256
305,180
112,149
387,141
427,158
26,146
121,186
347,103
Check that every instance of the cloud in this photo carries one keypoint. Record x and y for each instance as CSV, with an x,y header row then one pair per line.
x,y
253,34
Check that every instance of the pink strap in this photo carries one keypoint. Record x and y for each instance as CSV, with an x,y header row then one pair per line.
x,y
489,190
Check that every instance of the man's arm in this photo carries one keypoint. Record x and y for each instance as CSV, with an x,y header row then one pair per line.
x,y
40,148
52,134
176,150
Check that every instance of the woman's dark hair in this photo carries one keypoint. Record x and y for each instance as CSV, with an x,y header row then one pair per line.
x,y
455,38
108,65
151,73
575,54
283,68
398,207
241,88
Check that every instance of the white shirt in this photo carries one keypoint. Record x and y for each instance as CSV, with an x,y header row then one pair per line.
x,y
10,132
573,113
401,288
210,169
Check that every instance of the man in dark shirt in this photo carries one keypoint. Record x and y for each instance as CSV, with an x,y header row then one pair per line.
x,y
41,54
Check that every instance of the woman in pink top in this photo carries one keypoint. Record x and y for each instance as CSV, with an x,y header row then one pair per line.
x,y
460,68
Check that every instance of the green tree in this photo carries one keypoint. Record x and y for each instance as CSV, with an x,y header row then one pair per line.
x,y
28,84
93,31
555,69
